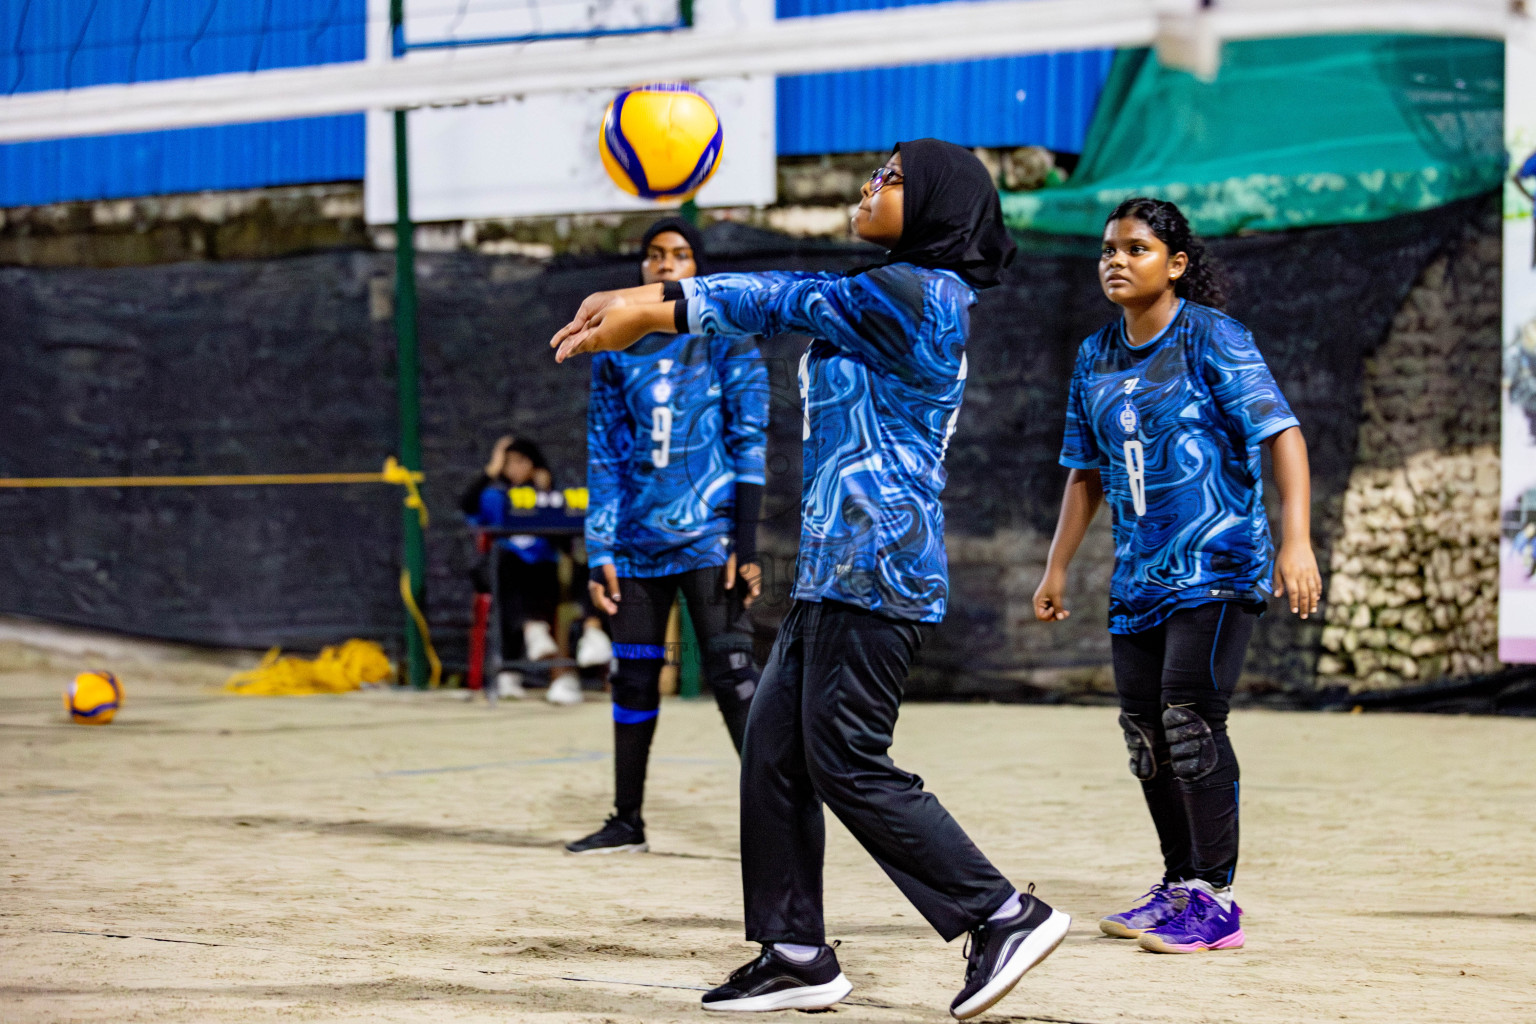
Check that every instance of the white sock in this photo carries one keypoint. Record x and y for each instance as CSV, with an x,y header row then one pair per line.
x,y
796,953
1008,909
1222,895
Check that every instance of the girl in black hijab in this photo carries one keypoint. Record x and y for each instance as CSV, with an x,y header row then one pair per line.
x,y
881,382
952,219
655,248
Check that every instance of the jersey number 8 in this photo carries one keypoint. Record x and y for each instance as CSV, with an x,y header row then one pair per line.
x,y
661,433
1136,474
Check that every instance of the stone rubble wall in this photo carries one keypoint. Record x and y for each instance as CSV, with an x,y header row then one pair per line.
x,y
1413,588
1414,593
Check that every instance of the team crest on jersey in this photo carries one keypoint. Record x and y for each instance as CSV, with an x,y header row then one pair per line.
x,y
1128,418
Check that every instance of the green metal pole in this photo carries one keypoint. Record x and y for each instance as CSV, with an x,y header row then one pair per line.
x,y
690,665
409,387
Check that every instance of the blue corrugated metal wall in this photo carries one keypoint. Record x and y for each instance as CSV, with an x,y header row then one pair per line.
x,y
1038,100
57,44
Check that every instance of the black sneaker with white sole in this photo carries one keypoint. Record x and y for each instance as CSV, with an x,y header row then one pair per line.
x,y
775,982
619,834
999,952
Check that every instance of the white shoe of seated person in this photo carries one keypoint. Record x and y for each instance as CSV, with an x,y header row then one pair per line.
x,y
509,684
564,689
537,641
594,648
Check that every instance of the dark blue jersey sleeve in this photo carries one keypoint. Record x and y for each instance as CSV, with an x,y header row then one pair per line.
x,y
610,445
870,316
1079,447
744,405
1242,385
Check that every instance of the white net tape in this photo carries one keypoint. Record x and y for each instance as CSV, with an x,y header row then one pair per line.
x,y
1186,33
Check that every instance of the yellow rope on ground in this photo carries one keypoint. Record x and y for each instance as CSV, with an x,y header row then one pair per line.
x,y
422,628
335,670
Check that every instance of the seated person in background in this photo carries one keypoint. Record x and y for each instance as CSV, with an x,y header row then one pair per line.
x,y
527,568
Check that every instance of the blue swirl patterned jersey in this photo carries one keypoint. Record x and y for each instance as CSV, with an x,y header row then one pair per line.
x,y
672,424
881,383
1174,427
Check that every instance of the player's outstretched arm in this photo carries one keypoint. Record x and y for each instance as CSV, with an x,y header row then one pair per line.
x,y
1296,572
597,302
615,328
1079,504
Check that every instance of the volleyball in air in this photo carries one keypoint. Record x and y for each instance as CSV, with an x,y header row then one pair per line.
x,y
660,141
93,698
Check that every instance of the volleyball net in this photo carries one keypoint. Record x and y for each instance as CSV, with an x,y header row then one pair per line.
x,y
461,55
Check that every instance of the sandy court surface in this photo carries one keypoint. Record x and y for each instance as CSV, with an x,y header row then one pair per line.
x,y
395,857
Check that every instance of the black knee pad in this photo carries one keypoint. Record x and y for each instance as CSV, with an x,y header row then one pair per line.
x,y
1191,746
728,664
636,686
1138,740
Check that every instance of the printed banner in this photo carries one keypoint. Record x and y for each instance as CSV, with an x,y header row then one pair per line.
x,y
1517,545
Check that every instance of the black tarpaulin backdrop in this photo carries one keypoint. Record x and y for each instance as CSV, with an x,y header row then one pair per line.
x,y
288,366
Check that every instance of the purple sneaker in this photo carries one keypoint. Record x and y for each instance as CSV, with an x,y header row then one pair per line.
x,y
1159,905
1203,925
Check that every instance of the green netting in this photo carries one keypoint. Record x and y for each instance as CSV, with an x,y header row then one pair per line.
x,y
1292,133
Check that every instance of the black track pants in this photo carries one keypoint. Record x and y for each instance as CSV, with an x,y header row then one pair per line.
x,y
1193,660
639,630
818,732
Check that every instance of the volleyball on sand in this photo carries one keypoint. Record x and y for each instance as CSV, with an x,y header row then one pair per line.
x,y
93,698
660,141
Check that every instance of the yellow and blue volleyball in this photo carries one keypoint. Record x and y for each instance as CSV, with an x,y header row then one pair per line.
x,y
661,141
93,698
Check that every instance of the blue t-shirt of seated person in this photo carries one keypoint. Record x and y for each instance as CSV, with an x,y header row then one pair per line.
x,y
1174,427
495,506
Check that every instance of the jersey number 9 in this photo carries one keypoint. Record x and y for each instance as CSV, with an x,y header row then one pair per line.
x,y
661,433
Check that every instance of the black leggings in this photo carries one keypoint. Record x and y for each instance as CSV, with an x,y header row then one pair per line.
x,y
639,630
1191,662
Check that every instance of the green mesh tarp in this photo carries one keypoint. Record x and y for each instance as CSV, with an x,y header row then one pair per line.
x,y
1292,133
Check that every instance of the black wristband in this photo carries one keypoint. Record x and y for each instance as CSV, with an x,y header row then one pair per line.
x,y
671,290
680,316
749,509
595,574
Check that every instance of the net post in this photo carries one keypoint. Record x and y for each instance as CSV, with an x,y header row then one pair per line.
x,y
409,394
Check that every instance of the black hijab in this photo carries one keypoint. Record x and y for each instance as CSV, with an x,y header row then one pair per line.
x,y
953,219
694,235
